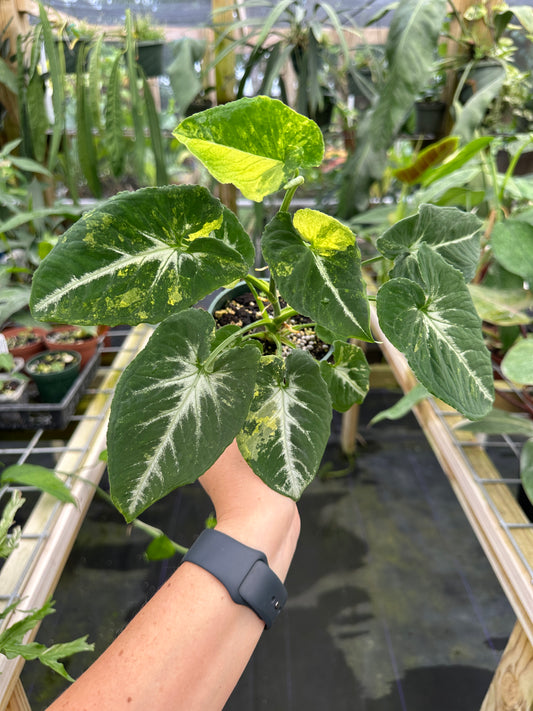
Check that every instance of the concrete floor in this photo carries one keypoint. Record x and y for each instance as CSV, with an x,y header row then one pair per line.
x,y
392,604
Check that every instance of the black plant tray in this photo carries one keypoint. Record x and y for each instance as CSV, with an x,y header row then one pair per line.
x,y
34,415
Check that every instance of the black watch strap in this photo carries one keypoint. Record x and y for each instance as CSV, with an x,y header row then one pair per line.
x,y
243,571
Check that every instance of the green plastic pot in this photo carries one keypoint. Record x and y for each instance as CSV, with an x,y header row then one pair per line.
x,y
54,386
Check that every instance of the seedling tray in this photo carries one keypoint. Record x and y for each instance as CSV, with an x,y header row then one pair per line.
x,y
34,415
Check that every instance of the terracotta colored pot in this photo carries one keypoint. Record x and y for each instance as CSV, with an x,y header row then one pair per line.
x,y
29,350
86,347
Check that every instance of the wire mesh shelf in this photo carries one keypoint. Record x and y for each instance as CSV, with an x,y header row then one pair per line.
x,y
49,527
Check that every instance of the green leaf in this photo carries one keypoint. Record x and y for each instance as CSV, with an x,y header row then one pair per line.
x,y
526,468
156,139
12,299
403,406
141,256
347,377
287,427
9,540
427,159
470,116
160,548
517,364
317,267
257,144
40,477
450,232
512,244
465,154
12,644
113,118
503,307
192,404
87,154
7,77
411,42
435,325
500,422
56,67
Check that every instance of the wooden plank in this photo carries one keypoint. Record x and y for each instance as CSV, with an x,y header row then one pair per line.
x,y
485,512
512,685
46,568
19,700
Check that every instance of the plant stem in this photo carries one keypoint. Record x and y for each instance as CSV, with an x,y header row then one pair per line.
x,y
291,187
371,260
230,339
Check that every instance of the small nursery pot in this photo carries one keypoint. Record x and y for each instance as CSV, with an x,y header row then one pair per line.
x,y
13,389
24,342
52,380
58,339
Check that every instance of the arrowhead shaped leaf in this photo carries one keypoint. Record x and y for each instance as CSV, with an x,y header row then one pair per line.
x,y
452,233
347,377
190,410
257,144
435,325
140,257
287,428
512,244
517,364
504,307
317,267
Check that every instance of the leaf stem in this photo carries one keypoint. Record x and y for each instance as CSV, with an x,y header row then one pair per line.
x,y
371,260
291,187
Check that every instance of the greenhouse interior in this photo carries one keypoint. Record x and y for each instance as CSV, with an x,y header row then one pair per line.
x,y
266,352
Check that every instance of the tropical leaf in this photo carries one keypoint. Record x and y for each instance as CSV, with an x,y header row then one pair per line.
x,y
512,245
411,43
503,307
56,64
470,116
435,325
287,427
526,468
347,377
500,422
466,154
426,159
9,535
193,403
40,477
87,154
12,641
404,405
12,299
517,364
450,232
113,118
257,144
317,267
140,257
156,139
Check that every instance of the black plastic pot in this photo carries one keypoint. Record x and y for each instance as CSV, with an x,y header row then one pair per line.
x,y
429,116
150,57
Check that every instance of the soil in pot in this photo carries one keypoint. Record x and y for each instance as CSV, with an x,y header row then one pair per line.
x,y
75,339
242,310
24,342
54,372
13,390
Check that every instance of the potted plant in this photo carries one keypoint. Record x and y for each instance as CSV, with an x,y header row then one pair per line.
x,y
83,340
13,390
54,372
151,255
24,341
149,42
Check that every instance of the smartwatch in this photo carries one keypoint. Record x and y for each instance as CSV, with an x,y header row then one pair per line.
x,y
243,571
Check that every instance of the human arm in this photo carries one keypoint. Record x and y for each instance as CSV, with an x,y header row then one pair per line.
x,y
187,648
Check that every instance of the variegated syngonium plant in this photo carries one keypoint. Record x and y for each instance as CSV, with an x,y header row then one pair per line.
x,y
150,255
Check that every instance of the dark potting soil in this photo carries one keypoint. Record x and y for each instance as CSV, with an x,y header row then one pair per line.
x,y
243,310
